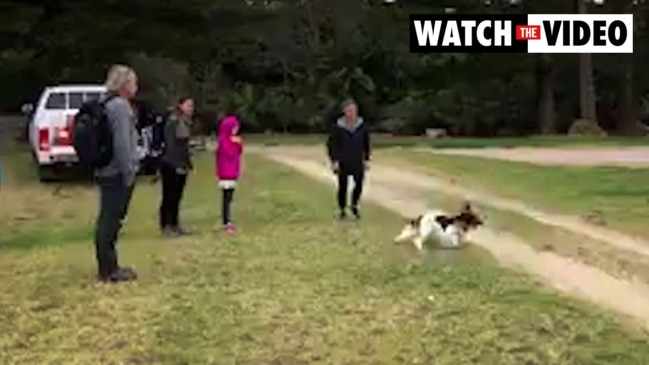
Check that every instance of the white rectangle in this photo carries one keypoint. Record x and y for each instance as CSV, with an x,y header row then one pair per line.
x,y
553,24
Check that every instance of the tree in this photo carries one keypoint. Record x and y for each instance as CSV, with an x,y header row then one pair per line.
x,y
587,122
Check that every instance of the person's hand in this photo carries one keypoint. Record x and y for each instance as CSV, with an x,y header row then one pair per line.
x,y
366,165
335,167
181,171
236,139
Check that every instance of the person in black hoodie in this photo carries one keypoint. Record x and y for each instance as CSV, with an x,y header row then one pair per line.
x,y
349,151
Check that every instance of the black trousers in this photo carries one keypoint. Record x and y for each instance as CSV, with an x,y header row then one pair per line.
x,y
358,174
114,200
226,204
173,186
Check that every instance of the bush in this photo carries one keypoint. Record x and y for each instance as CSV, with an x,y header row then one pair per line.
x,y
586,128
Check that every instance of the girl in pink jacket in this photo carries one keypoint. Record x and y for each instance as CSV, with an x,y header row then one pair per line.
x,y
228,165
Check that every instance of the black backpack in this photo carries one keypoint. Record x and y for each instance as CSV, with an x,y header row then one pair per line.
x,y
92,136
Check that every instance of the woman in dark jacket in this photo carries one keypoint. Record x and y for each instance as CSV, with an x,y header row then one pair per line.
x,y
175,165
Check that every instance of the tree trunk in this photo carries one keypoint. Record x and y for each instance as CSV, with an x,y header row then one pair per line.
x,y
627,122
587,96
546,111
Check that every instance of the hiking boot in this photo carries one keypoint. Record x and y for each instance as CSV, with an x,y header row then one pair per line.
x,y
122,274
125,274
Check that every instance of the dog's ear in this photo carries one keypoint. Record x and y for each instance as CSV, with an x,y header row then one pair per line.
x,y
469,215
479,220
415,222
469,220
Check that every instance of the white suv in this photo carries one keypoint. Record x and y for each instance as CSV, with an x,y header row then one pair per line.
x,y
50,127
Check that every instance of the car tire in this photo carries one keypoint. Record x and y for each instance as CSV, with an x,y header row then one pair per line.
x,y
46,174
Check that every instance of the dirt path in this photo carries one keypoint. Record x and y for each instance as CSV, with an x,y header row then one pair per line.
x,y
568,222
401,191
637,157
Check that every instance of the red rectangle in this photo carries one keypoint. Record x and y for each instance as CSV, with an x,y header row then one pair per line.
x,y
527,32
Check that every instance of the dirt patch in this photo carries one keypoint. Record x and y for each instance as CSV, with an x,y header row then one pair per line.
x,y
401,191
635,157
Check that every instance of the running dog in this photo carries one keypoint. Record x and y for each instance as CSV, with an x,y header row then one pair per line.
x,y
448,230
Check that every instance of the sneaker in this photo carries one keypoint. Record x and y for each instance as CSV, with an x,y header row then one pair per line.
x,y
170,232
356,213
230,228
180,231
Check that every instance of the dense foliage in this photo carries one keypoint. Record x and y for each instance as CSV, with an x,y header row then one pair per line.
x,y
284,64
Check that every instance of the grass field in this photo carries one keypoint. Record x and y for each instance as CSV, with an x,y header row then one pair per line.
x,y
295,287
617,195
502,142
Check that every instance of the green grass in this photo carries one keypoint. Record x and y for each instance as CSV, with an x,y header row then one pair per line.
x,y
460,142
619,195
294,287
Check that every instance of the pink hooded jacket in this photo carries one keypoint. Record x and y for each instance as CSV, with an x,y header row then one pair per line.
x,y
228,154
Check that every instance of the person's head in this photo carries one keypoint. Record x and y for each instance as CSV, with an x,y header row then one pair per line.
x,y
185,106
229,126
350,109
122,80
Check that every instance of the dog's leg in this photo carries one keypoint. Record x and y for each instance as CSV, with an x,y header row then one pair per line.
x,y
456,240
419,243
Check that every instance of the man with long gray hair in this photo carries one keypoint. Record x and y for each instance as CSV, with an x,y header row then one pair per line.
x,y
349,151
117,179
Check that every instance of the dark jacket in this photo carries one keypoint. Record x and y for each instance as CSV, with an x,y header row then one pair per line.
x,y
177,132
349,146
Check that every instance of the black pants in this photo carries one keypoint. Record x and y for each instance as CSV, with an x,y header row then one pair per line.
x,y
173,186
114,200
343,179
226,203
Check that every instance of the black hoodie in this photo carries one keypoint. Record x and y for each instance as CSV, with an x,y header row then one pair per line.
x,y
349,146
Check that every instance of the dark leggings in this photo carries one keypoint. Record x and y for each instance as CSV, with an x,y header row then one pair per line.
x,y
226,203
173,186
343,181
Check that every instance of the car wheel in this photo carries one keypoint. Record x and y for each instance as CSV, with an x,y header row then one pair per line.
x,y
46,174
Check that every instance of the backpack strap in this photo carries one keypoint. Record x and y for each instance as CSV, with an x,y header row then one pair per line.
x,y
110,96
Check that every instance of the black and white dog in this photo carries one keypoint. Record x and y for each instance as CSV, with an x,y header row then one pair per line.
x,y
448,230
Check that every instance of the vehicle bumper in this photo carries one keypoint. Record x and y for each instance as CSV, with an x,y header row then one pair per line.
x,y
58,156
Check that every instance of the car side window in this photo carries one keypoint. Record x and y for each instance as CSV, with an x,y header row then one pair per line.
x,y
75,99
92,96
56,101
